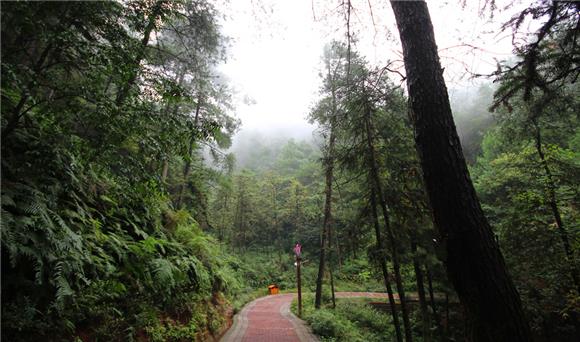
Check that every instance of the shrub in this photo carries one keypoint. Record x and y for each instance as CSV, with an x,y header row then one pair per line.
x,y
326,324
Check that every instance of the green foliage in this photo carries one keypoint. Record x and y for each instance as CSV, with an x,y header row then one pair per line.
x,y
96,121
351,320
171,332
117,226
326,324
259,209
526,177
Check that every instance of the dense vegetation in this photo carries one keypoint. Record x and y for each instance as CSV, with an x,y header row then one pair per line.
x,y
106,110
123,218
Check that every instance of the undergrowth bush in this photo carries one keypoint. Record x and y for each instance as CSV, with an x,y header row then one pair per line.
x,y
352,320
93,266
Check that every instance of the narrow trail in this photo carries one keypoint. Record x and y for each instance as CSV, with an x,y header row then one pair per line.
x,y
269,319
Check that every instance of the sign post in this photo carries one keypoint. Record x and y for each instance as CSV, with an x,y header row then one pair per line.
x,y
298,253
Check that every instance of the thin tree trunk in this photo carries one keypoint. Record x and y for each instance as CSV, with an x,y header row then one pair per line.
x,y
338,252
376,182
434,305
165,171
329,165
474,262
332,287
179,79
124,92
330,259
17,112
425,318
447,323
554,207
187,165
186,174
570,257
239,219
277,228
383,264
353,246
225,209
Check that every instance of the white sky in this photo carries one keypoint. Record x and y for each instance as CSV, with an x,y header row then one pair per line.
x,y
276,50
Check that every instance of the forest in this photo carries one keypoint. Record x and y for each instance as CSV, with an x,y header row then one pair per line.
x,y
135,207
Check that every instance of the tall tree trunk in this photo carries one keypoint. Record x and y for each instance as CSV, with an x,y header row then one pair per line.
x,y
17,112
186,174
553,202
338,252
329,165
179,79
554,206
434,305
383,264
277,227
165,171
239,218
332,292
447,323
474,262
376,183
225,210
187,165
135,65
425,318
330,265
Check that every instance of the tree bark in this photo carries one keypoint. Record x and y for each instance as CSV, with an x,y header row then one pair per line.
x,y
383,264
474,262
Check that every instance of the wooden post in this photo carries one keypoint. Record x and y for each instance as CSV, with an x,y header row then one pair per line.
x,y
298,261
298,253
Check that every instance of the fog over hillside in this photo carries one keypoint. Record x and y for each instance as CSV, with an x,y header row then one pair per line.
x,y
265,143
470,109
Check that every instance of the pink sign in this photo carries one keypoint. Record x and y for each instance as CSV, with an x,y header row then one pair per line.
x,y
297,249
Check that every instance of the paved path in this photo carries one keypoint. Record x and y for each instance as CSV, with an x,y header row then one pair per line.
x,y
269,319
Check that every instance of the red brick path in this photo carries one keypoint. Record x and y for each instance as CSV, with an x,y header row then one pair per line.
x,y
266,322
268,319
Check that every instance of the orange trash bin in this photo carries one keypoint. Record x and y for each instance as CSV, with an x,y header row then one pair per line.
x,y
273,289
